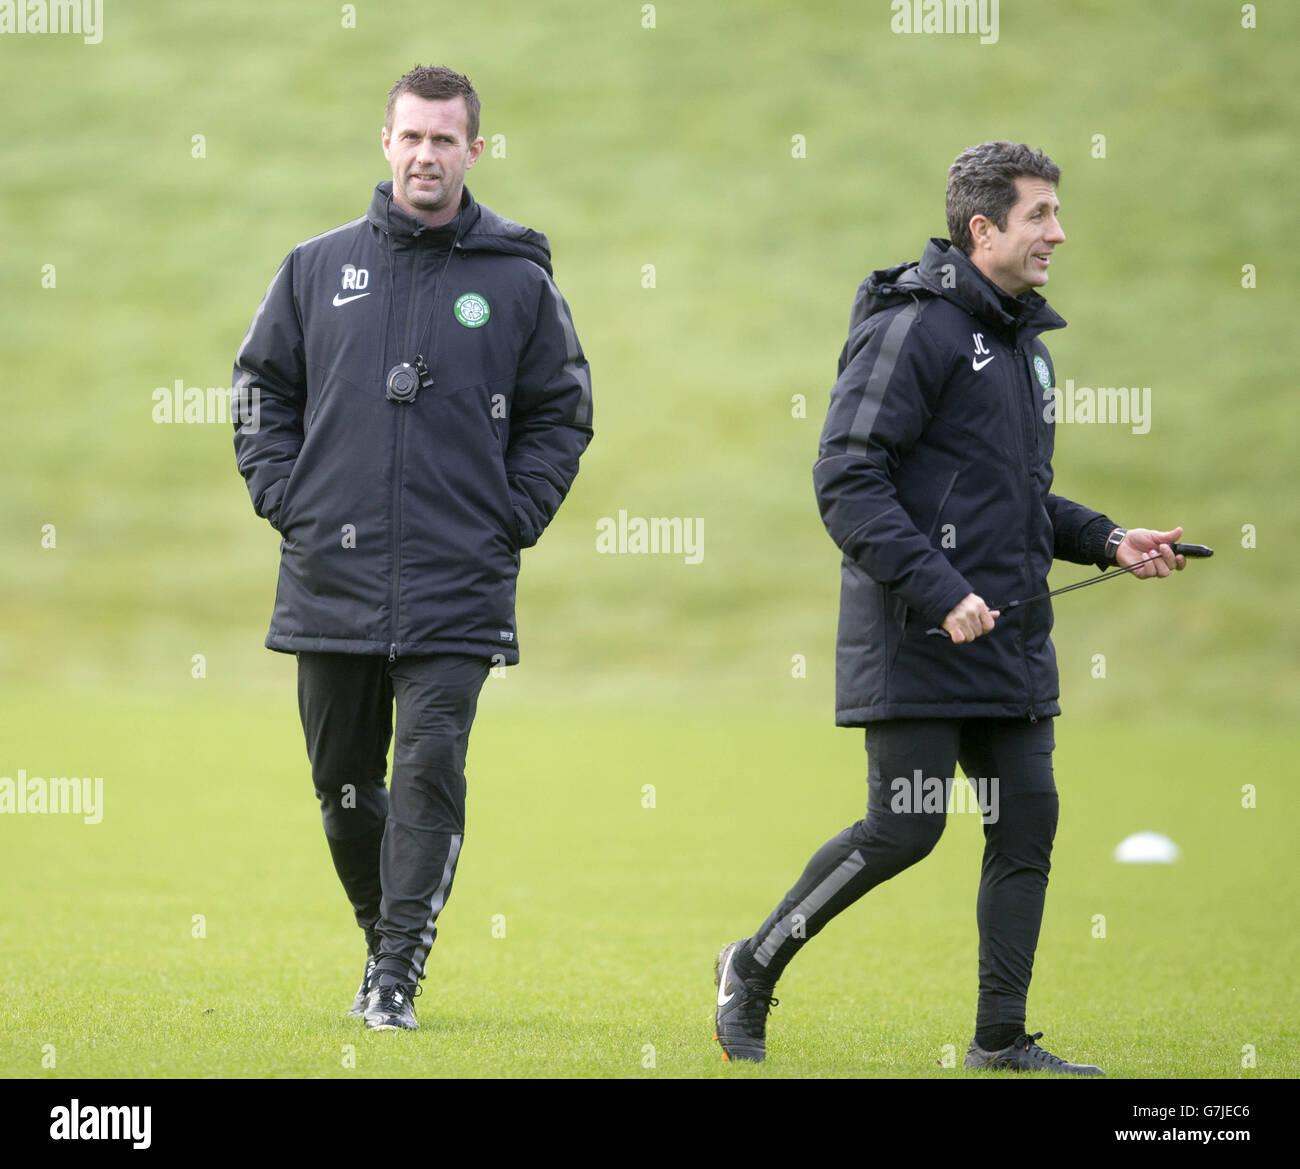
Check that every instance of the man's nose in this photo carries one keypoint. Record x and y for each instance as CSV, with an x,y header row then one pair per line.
x,y
1054,233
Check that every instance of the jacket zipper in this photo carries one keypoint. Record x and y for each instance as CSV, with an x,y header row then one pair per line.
x,y
397,522
1022,400
1033,466
398,453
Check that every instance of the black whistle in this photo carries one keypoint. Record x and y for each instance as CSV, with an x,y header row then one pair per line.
x,y
1192,551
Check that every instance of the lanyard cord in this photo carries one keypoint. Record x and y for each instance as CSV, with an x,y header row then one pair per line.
x,y
426,379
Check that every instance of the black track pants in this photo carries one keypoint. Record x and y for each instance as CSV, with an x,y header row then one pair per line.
x,y
395,850
910,765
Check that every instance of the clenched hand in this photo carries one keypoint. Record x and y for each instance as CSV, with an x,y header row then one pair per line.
x,y
969,619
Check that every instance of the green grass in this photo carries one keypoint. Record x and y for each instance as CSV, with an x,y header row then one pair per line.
x,y
613,911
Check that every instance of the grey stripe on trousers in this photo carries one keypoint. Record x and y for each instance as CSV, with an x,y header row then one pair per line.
x,y
435,907
840,876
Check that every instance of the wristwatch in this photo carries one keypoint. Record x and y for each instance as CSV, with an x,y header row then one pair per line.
x,y
1113,541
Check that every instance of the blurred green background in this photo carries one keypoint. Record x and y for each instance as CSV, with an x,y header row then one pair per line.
x,y
672,146
669,146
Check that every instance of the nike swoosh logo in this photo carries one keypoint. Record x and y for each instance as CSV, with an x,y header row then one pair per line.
x,y
722,983
347,299
978,365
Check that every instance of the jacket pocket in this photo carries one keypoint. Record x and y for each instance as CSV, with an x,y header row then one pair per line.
x,y
894,609
943,502
516,538
503,504
284,513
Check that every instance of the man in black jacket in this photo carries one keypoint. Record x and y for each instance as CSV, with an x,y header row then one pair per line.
x,y
934,480
411,403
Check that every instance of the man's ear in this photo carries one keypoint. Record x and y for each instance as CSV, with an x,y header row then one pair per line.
x,y
981,231
384,140
475,149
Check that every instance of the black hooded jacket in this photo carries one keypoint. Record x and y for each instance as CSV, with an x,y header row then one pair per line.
x,y
934,479
402,521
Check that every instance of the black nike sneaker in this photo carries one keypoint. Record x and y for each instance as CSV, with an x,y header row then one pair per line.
x,y
1024,1055
391,1008
363,991
743,1007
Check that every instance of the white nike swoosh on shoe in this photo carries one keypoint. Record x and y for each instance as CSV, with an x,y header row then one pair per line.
x,y
347,299
722,982
978,365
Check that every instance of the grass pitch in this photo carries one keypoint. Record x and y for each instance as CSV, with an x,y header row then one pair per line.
x,y
612,911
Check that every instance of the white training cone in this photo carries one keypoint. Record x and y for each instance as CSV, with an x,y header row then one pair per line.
x,y
1146,848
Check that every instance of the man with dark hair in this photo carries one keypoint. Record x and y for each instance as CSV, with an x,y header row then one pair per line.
x,y
982,181
411,405
934,478
436,83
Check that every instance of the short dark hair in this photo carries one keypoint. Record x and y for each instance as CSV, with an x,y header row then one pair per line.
x,y
982,181
436,83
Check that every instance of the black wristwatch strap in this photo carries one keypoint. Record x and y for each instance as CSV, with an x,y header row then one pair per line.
x,y
1113,541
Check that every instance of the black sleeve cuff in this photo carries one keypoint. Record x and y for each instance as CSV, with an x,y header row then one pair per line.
x,y
1092,541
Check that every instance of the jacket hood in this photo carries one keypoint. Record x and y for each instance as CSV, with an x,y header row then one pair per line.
x,y
481,229
946,271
